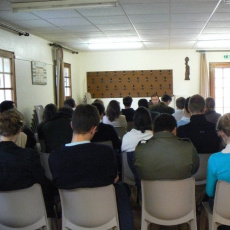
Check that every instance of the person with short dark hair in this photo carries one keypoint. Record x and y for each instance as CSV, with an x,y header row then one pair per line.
x,y
142,130
210,114
70,102
20,168
165,156
113,116
106,132
163,106
154,99
128,111
143,102
82,164
180,103
201,132
186,117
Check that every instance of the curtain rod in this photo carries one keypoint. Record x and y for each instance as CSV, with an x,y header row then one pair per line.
x,y
203,51
13,29
57,45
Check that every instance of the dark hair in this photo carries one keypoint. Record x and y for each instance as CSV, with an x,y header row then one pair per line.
x,y
196,103
127,101
10,122
85,117
154,95
69,102
6,105
98,101
49,111
113,110
100,107
186,104
210,103
67,111
143,102
142,119
180,102
164,122
166,98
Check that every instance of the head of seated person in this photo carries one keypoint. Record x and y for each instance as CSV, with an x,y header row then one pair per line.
x,y
143,102
196,104
70,102
49,111
100,107
127,101
180,103
6,105
223,127
113,110
142,119
166,99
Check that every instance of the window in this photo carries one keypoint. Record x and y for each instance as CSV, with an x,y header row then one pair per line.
x,y
220,86
7,76
67,80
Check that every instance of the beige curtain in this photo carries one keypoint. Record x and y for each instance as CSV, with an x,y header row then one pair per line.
x,y
60,87
204,78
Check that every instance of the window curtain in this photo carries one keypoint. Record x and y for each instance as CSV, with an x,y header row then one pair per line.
x,y
204,78
59,70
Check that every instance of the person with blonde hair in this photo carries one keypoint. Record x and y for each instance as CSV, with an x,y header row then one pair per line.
x,y
20,167
219,163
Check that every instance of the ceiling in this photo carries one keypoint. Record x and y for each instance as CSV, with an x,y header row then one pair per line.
x,y
156,24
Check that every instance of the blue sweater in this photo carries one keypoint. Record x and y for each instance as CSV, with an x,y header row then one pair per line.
x,y
218,169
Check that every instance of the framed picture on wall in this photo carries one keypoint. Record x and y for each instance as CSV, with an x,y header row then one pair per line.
x,y
39,73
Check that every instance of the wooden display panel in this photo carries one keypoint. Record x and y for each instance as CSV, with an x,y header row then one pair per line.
x,y
139,83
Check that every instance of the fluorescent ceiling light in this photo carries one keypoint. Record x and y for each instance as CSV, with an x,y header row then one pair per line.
x,y
213,44
108,46
61,4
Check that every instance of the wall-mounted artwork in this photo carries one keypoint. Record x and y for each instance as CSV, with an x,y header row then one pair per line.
x,y
138,83
39,74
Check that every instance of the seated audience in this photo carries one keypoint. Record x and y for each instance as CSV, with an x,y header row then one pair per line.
x,y
210,114
128,111
106,132
30,140
218,163
154,100
180,103
163,106
57,131
201,132
20,167
113,116
165,156
82,164
70,102
142,130
49,111
143,102
186,117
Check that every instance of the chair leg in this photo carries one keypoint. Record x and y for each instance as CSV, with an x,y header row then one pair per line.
x,y
202,219
214,226
145,225
193,224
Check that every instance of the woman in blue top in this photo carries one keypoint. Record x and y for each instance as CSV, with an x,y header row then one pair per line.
x,y
219,163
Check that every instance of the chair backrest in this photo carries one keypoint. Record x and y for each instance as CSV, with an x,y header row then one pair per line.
x,y
127,174
23,209
221,209
130,125
121,131
89,208
45,163
201,175
109,143
168,202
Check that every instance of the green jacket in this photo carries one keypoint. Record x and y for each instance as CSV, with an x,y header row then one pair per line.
x,y
165,157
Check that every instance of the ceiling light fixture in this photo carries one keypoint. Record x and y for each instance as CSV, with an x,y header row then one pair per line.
x,y
108,46
61,4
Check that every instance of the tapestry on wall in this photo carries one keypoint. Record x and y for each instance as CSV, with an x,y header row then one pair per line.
x,y
138,83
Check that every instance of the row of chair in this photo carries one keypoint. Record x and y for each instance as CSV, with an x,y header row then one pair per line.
x,y
163,203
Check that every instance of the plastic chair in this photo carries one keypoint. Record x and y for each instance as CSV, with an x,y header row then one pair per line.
x,y
89,208
221,209
39,110
121,131
45,163
127,174
23,209
201,175
168,203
